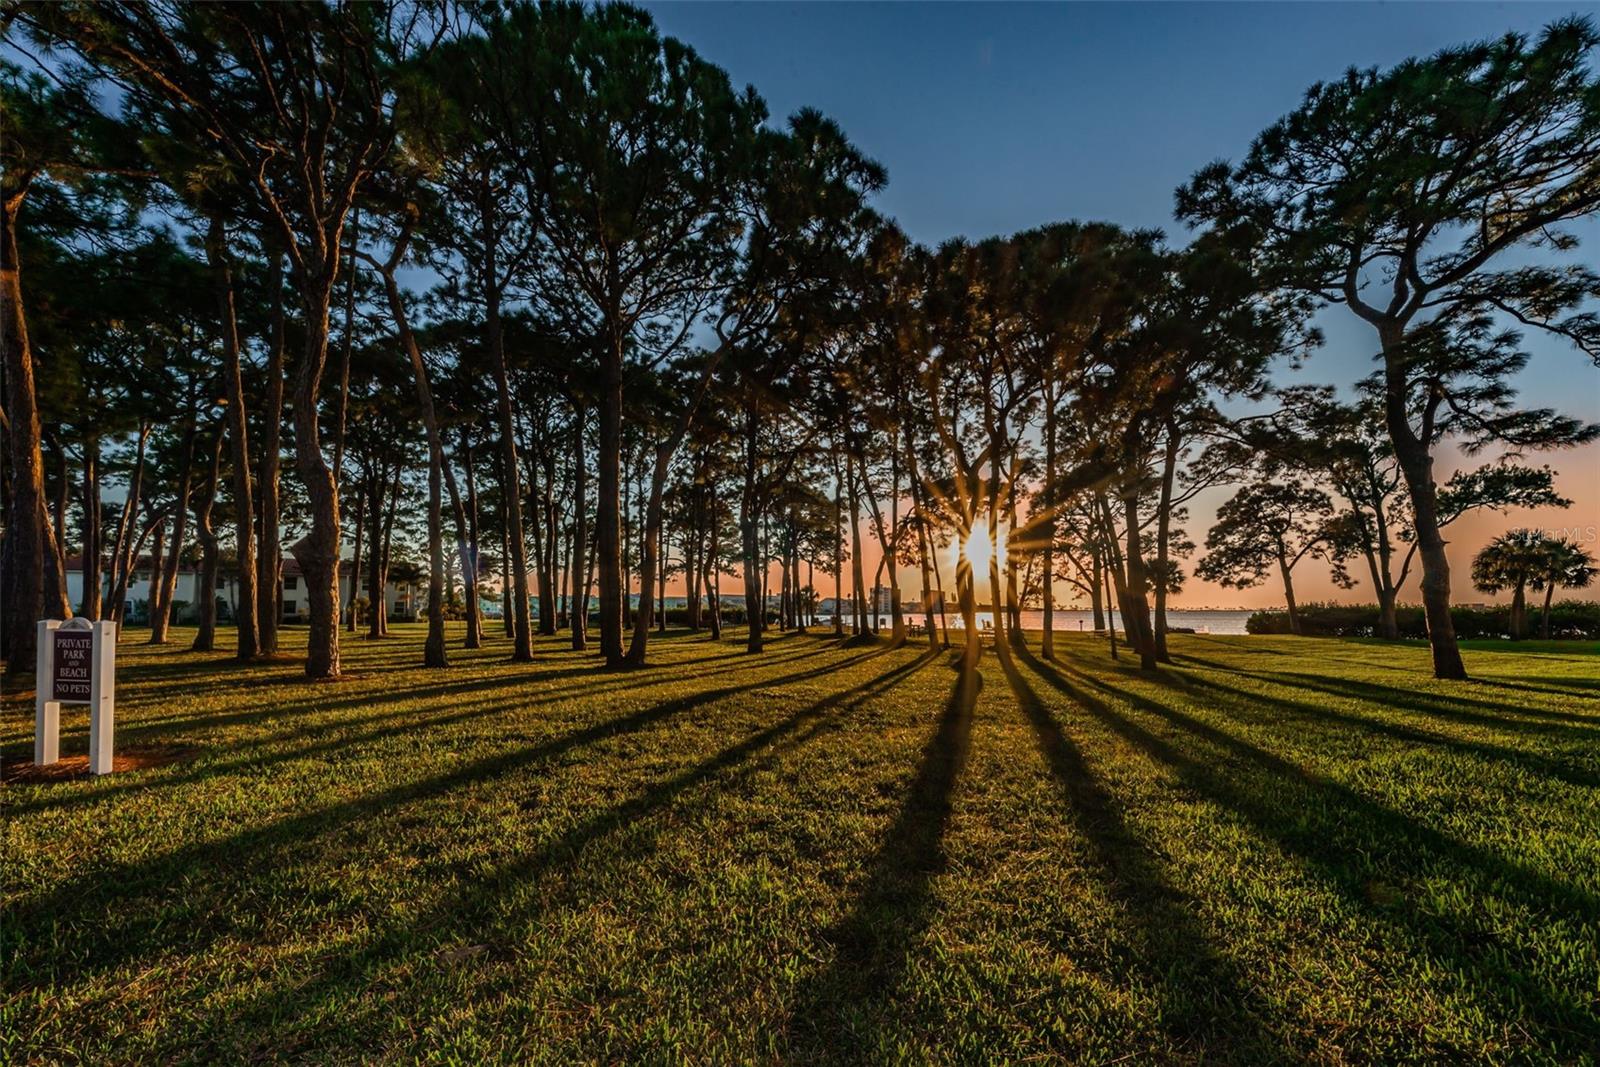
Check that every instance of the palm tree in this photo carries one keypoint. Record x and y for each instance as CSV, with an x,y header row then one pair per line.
x,y
1511,561
1562,562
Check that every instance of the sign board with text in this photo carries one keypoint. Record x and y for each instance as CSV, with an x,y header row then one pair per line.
x,y
72,670
77,664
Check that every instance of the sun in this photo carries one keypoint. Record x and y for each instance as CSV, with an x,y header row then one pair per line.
x,y
977,547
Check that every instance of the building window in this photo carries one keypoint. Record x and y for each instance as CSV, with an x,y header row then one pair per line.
x,y
288,607
291,582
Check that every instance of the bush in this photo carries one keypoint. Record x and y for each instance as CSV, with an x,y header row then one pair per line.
x,y
1569,619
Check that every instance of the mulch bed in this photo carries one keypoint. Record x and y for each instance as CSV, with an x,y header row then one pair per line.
x,y
74,768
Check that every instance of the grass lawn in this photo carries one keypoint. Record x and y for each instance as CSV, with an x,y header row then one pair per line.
x,y
1280,850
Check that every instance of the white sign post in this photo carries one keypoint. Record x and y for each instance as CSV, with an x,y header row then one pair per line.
x,y
77,664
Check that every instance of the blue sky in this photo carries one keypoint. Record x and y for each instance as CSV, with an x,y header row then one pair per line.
x,y
995,117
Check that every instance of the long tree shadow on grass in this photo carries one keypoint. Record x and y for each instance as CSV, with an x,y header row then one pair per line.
x,y
475,911
155,899
1257,645
1577,688
1560,649
261,754
174,663
1514,758
508,677
1350,842
1424,701
152,681
836,1012
1203,997
326,699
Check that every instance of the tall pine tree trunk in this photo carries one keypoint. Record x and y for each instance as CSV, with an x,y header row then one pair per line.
x,y
749,535
318,551
269,580
661,594
1047,643
1416,465
938,586
439,465
1097,584
858,603
382,525
1013,594
549,619
521,621
466,556
158,562
578,605
998,615
433,650
57,511
238,432
205,638
1169,473
161,618
608,515
924,548
473,546
113,607
652,555
692,548
1288,592
532,491
1381,554
896,613
506,614
92,549
966,596
838,546
32,593
1117,588
712,575
1138,588
355,563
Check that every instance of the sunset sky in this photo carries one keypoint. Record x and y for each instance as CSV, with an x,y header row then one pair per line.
x,y
993,118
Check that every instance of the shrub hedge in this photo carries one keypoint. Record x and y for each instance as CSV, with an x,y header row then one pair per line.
x,y
1571,619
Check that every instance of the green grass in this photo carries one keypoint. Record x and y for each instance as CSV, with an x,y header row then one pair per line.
x,y
1280,850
